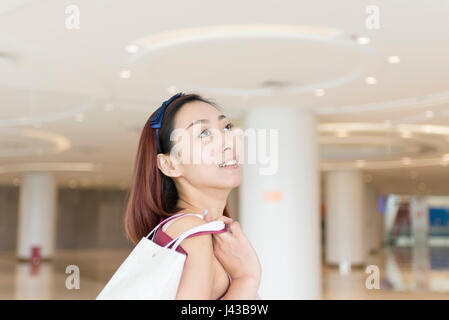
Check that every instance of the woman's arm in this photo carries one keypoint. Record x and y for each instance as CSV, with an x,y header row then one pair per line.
x,y
198,274
197,279
242,289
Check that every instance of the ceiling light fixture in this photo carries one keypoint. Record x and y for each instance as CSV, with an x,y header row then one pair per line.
x,y
132,48
393,59
125,74
172,90
174,37
363,40
370,80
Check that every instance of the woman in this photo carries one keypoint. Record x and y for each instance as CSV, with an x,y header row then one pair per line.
x,y
168,179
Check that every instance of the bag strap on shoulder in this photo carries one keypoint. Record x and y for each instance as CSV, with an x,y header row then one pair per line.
x,y
175,216
216,226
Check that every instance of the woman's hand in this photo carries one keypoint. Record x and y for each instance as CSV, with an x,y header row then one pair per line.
x,y
234,251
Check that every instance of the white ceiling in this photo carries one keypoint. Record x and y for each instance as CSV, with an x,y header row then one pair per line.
x,y
62,99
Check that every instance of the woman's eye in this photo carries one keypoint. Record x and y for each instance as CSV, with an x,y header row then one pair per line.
x,y
229,126
201,134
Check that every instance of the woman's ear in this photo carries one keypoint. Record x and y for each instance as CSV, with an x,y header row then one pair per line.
x,y
167,166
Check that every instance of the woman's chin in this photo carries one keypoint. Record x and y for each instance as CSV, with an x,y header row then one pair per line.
x,y
234,183
228,182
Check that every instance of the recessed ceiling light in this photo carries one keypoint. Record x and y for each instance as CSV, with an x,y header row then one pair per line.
x,y
394,59
125,74
132,48
319,92
370,80
429,114
363,40
172,90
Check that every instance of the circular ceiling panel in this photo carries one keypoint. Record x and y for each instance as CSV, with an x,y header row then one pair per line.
x,y
232,61
25,142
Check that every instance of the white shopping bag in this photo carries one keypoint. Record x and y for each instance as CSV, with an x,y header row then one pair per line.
x,y
152,272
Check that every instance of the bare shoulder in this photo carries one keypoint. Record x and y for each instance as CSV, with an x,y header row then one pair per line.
x,y
196,244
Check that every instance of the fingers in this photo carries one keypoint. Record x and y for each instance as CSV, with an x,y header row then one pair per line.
x,y
225,219
224,236
235,228
220,237
235,231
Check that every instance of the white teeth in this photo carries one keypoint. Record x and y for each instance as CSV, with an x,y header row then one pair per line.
x,y
228,163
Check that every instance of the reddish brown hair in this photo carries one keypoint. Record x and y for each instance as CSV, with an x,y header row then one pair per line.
x,y
153,195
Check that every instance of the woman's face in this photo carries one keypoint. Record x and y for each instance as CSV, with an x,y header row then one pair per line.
x,y
203,139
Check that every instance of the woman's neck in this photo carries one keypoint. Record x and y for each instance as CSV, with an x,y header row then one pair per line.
x,y
197,203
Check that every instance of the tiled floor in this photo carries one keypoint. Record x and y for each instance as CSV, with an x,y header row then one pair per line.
x,y
405,273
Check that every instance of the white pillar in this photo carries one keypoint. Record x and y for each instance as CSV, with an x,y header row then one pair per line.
x,y
374,220
37,214
35,282
345,219
279,212
419,216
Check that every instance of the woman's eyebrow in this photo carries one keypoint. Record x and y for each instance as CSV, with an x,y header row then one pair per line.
x,y
221,116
